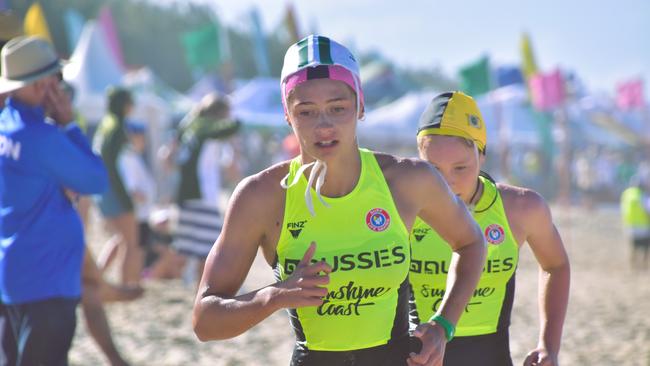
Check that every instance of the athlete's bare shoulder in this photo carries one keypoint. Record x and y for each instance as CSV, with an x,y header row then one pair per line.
x,y
262,189
415,184
268,180
524,208
520,199
256,209
403,168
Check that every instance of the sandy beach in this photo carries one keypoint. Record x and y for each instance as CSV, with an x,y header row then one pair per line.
x,y
608,321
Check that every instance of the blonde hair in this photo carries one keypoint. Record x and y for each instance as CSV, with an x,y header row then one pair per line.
x,y
421,140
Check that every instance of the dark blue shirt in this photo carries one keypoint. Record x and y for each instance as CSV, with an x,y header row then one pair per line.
x,y
41,235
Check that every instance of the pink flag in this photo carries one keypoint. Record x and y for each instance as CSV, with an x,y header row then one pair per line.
x,y
629,94
547,90
110,32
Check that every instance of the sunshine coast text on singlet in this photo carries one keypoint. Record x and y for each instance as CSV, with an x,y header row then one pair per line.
x,y
363,238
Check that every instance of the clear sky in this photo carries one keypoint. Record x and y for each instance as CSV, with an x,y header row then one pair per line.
x,y
603,41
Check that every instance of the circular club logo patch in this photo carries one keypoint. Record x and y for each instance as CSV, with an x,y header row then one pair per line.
x,y
377,219
494,234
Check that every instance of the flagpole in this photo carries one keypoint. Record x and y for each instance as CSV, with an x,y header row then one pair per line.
x,y
504,142
503,147
564,165
645,118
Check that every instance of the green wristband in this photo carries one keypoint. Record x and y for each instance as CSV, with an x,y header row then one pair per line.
x,y
450,329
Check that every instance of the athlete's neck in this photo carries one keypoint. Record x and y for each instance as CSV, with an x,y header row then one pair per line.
x,y
476,195
343,172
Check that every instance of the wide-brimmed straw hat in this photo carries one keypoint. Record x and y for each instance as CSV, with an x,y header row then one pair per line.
x,y
25,60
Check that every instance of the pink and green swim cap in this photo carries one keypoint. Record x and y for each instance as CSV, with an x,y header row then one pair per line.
x,y
318,57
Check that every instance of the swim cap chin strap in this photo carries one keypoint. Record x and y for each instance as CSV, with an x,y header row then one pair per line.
x,y
318,172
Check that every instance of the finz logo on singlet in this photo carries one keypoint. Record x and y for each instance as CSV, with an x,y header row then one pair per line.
x,y
296,227
419,234
377,219
495,234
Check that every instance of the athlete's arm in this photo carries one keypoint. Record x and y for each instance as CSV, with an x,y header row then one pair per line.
x,y
445,213
554,275
220,313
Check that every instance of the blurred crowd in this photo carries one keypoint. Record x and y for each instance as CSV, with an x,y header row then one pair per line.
x,y
52,178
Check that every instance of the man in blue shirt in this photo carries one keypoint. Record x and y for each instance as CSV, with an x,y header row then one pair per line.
x,y
10,26
41,236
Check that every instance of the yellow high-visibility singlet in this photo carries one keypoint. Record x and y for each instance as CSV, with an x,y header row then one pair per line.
x,y
489,308
632,210
362,237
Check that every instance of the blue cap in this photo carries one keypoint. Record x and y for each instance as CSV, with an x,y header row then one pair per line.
x,y
135,127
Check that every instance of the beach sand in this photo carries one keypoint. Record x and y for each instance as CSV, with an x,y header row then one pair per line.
x,y
608,320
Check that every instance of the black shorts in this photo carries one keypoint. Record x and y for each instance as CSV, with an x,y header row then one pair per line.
x,y
42,331
9,348
145,234
641,243
394,353
485,350
146,242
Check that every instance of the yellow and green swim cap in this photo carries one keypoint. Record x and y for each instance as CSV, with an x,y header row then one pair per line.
x,y
454,114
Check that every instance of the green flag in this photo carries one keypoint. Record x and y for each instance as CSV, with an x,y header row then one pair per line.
x,y
203,47
475,77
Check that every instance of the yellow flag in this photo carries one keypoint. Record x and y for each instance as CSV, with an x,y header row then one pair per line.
x,y
291,24
35,23
528,64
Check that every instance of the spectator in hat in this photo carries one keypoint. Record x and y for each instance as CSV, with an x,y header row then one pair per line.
x,y
10,27
160,260
42,235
